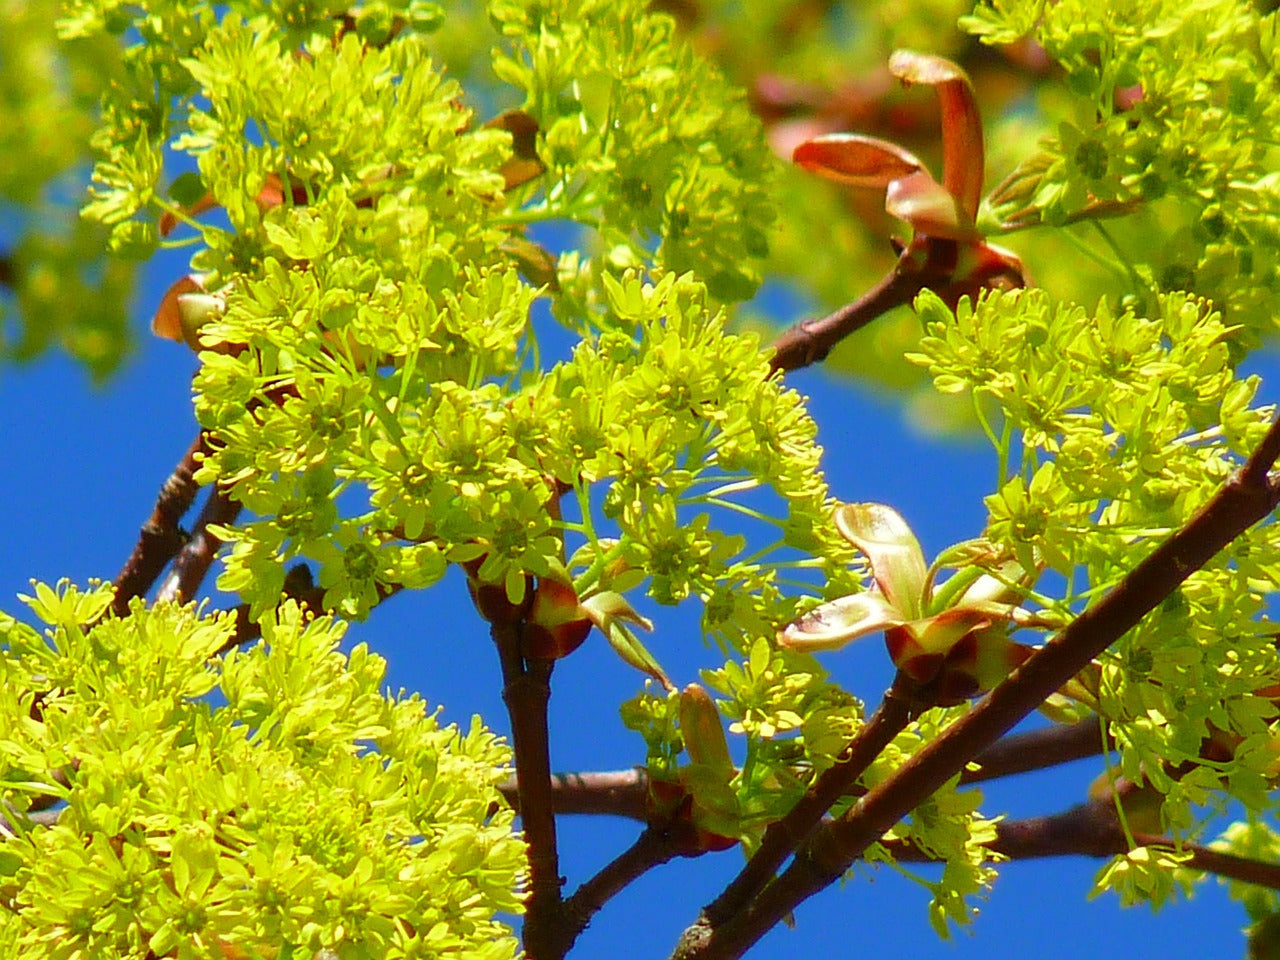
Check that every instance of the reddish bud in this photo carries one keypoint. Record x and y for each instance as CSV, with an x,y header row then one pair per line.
x,y
524,164
490,599
168,321
555,625
702,731
672,805
911,658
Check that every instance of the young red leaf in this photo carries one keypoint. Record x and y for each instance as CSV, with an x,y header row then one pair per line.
x,y
962,147
930,209
856,160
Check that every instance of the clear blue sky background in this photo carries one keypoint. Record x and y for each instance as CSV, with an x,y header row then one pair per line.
x,y
79,471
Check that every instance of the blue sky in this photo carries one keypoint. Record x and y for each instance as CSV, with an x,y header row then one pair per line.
x,y
79,470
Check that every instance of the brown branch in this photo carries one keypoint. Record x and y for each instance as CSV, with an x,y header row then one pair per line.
x,y
1038,749
195,558
655,846
619,793
526,691
1244,500
623,793
160,538
1220,864
809,341
1093,830
784,836
299,586
8,271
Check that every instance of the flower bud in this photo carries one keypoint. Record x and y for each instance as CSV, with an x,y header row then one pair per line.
x,y
490,599
702,731
556,625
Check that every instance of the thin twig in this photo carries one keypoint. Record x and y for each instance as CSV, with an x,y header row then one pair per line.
x,y
654,847
809,341
195,558
44,818
299,586
623,793
1244,500
1093,830
160,538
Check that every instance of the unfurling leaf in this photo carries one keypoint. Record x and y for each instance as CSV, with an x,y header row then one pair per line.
x,y
962,147
611,612
702,731
893,550
856,160
831,625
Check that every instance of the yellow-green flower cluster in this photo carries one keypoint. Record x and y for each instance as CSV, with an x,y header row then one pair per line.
x,y
1165,101
373,382
1113,429
272,800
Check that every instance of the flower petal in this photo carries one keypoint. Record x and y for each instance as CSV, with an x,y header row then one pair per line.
x,y
896,558
856,160
831,625
962,148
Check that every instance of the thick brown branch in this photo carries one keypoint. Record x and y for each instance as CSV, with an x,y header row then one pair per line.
x,y
1243,501
782,837
195,558
526,691
160,538
1038,749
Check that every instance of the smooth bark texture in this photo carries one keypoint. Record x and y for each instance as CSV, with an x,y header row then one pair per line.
x,y
1244,500
526,692
809,341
